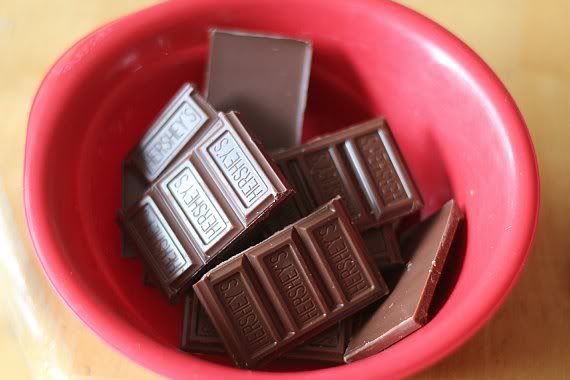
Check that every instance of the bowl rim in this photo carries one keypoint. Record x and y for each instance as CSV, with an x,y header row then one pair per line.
x,y
120,335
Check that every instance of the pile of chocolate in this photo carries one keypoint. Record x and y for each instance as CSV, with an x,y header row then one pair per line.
x,y
278,249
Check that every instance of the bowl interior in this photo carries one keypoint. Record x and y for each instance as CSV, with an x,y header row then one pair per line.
x,y
456,126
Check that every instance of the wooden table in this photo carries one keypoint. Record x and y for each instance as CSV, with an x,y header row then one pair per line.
x,y
527,43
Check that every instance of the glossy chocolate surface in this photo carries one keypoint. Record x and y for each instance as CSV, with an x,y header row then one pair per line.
x,y
265,79
204,205
179,122
362,164
200,336
290,287
405,310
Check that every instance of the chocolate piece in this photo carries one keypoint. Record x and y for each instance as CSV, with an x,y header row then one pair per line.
x,y
198,333
362,164
132,189
287,214
148,280
328,346
265,79
382,245
381,242
290,287
406,309
200,336
181,120
198,210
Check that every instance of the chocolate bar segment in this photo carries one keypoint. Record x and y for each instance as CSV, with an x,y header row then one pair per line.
x,y
186,114
182,118
265,79
290,287
381,242
132,189
363,164
328,346
198,333
148,279
205,205
405,310
382,245
200,336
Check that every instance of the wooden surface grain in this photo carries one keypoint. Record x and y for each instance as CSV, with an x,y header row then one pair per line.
x,y
525,41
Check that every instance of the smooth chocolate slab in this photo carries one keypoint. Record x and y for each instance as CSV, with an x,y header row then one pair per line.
x,y
200,336
290,287
265,79
382,245
204,205
405,310
362,164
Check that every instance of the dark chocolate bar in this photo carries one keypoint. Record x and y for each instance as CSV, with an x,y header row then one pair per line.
x,y
290,287
204,205
382,245
362,164
265,79
406,309
200,336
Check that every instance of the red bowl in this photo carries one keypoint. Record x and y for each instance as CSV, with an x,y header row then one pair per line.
x,y
456,124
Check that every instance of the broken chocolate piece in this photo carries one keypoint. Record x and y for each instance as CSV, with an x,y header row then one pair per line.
x,y
382,245
200,336
181,119
264,78
179,122
405,310
205,205
132,189
362,164
290,287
